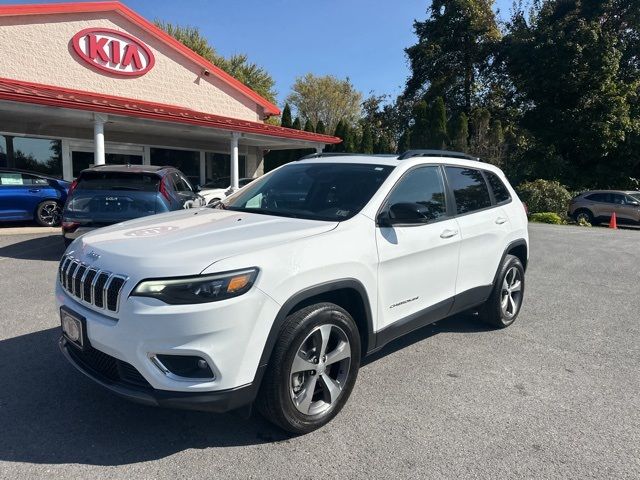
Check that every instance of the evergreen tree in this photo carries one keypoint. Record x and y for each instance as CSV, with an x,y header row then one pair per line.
x,y
297,125
437,125
341,132
308,126
455,47
285,119
366,143
460,132
420,131
320,128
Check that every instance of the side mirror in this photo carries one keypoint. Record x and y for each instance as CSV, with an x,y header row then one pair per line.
x,y
634,203
403,213
197,188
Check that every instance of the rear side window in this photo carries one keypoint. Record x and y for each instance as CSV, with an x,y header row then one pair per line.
x,y
500,191
469,189
425,187
12,178
138,181
599,197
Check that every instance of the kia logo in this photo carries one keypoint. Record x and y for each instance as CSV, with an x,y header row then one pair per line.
x,y
113,51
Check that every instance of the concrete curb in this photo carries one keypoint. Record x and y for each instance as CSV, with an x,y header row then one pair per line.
x,y
29,230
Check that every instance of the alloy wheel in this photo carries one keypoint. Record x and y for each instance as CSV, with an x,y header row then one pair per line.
x,y
511,295
50,214
320,369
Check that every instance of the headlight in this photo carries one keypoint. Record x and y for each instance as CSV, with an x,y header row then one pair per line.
x,y
198,289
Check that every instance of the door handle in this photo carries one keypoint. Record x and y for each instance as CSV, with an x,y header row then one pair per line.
x,y
448,233
34,190
501,220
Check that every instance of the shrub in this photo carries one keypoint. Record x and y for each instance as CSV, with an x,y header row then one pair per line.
x,y
546,217
544,196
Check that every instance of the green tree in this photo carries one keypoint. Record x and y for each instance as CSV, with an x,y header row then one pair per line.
x,y
342,132
437,137
366,142
455,46
420,130
297,124
320,128
285,119
308,126
325,98
238,66
572,64
460,132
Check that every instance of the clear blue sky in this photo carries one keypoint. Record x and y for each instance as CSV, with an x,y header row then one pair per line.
x,y
359,39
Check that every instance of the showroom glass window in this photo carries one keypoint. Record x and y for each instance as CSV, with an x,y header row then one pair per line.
x,y
40,155
470,191
219,166
82,160
187,161
423,186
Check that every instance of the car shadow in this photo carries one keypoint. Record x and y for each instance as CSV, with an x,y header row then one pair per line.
x,y
48,248
460,323
50,413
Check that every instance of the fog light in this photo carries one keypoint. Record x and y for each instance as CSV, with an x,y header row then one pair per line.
x,y
184,366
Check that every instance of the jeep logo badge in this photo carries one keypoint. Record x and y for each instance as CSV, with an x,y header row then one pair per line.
x,y
113,51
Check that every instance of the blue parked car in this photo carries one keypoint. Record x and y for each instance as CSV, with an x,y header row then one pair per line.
x,y
108,194
31,196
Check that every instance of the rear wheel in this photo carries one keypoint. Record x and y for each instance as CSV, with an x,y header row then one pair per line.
x,y
503,306
583,215
49,213
313,369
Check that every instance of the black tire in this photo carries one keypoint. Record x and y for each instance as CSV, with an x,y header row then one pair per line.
x,y
277,397
493,311
48,213
583,213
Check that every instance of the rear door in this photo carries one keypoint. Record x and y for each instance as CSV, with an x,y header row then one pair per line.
x,y
186,197
484,227
20,194
417,263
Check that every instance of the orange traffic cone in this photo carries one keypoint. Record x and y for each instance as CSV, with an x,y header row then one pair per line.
x,y
613,223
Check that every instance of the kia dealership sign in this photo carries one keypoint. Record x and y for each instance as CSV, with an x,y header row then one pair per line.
x,y
113,51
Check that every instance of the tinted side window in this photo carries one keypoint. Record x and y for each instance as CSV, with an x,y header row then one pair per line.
x,y
598,197
180,184
423,186
499,189
469,189
618,198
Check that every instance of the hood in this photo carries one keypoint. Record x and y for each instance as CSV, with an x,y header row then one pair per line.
x,y
187,241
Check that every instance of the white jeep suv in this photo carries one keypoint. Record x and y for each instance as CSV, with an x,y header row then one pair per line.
x,y
277,294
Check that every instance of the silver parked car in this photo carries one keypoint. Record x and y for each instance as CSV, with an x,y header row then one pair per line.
x,y
596,206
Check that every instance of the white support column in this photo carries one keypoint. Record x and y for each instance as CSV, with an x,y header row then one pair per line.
x,y
235,136
67,164
146,155
203,167
98,138
319,148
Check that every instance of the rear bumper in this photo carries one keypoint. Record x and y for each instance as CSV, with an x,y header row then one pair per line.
x,y
217,401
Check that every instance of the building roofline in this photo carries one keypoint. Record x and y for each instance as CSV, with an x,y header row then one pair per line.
x,y
114,6
54,96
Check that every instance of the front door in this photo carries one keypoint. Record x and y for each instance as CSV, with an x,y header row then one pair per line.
x,y
417,263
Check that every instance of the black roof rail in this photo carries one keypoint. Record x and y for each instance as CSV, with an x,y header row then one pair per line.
x,y
436,153
345,154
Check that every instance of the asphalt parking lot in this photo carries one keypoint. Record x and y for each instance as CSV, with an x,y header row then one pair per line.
x,y
557,395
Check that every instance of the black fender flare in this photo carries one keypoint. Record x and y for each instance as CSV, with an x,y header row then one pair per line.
x,y
521,242
301,296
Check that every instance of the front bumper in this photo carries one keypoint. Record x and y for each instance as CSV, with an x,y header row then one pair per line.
x,y
217,401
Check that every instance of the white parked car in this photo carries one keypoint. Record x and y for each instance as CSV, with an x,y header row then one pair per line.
x,y
278,294
219,189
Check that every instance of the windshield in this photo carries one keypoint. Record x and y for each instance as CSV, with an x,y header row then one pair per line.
x,y
96,180
316,191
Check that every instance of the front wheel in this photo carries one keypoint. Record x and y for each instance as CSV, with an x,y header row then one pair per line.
x,y
312,370
503,306
48,213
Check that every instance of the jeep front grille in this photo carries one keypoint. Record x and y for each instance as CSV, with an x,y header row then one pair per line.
x,y
98,288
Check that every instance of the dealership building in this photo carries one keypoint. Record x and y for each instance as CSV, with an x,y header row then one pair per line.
x,y
95,83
